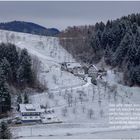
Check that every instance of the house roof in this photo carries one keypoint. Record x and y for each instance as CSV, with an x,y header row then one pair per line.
x,y
72,65
93,67
30,108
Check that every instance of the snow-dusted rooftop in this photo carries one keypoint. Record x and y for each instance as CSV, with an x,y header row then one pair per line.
x,y
72,65
30,108
94,67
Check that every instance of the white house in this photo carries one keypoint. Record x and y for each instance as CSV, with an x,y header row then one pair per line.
x,y
30,112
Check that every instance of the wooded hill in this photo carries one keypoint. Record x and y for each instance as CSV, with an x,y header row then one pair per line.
x,y
117,42
28,27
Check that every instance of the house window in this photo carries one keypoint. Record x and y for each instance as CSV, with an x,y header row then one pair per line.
x,y
49,118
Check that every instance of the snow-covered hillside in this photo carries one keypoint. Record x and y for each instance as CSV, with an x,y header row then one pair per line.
x,y
49,52
82,106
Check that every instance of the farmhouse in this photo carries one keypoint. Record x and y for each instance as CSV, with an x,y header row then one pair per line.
x,y
30,113
73,67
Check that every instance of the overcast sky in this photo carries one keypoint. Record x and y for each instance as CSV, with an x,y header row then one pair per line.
x,y
63,14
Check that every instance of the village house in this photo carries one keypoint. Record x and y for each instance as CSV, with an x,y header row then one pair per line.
x,y
92,71
30,113
73,67
79,71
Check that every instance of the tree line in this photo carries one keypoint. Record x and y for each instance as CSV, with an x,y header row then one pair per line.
x,y
116,41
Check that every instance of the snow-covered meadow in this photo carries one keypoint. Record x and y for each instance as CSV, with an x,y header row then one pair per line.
x,y
82,106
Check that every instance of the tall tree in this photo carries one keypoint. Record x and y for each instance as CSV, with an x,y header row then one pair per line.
x,y
6,67
5,97
4,131
12,57
121,51
26,99
25,74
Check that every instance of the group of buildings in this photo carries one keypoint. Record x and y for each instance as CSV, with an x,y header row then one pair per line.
x,y
34,113
81,70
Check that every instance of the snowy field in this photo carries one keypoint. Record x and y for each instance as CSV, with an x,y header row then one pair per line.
x,y
67,131
82,106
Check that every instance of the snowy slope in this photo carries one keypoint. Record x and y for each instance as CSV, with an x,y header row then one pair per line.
x,y
49,52
82,106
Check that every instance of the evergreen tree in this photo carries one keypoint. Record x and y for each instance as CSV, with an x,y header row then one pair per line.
x,y
19,99
131,55
25,68
137,75
138,19
5,65
108,55
4,93
121,51
12,57
2,51
109,24
101,26
137,39
138,56
4,131
20,77
133,18
5,97
26,99
134,28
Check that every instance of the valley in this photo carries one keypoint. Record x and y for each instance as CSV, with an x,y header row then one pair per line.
x,y
80,105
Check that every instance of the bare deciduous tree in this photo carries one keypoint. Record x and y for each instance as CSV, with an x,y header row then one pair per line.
x,y
64,111
75,101
74,110
7,37
55,79
81,95
69,99
90,113
93,94
101,113
83,109
50,95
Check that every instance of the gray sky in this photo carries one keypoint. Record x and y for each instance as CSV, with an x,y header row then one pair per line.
x,y
62,14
